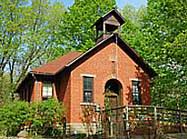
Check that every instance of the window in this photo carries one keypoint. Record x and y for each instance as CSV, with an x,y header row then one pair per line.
x,y
47,90
87,89
136,92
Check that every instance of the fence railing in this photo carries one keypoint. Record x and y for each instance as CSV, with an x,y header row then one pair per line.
x,y
139,119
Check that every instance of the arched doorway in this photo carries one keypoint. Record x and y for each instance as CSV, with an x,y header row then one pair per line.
x,y
113,99
113,93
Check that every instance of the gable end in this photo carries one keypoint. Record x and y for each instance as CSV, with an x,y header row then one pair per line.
x,y
114,38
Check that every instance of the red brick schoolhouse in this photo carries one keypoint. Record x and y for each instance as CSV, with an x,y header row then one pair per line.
x,y
109,69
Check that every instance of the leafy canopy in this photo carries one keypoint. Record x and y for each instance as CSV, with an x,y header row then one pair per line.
x,y
165,33
27,37
76,32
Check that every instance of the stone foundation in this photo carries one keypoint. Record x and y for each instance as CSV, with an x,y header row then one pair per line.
x,y
79,128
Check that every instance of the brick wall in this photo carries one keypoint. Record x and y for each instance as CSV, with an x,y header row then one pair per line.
x,y
101,67
37,91
69,85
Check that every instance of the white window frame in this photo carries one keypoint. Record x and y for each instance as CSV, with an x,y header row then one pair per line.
x,y
47,90
90,90
135,92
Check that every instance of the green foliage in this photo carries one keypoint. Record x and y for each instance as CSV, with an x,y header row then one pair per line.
x,y
158,34
27,36
5,89
46,117
131,31
108,106
12,116
173,80
76,27
42,118
164,32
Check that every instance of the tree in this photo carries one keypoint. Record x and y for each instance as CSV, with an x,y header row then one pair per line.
x,y
177,56
76,27
164,33
27,36
131,31
158,34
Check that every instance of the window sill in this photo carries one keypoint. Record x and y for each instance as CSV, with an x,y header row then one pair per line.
x,y
88,104
46,98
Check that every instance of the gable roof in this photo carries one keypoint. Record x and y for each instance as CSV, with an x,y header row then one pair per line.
x,y
56,65
114,12
129,51
74,58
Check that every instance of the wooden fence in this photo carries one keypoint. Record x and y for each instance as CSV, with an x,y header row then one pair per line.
x,y
132,120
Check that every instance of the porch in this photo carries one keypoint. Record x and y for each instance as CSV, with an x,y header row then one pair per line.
x,y
141,121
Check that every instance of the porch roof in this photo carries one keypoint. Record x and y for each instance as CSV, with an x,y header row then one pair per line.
x,y
53,67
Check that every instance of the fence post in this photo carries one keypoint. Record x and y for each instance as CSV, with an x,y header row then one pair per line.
x,y
127,122
111,128
155,119
180,120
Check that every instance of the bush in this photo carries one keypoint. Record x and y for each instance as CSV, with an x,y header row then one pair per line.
x,y
46,117
12,116
42,118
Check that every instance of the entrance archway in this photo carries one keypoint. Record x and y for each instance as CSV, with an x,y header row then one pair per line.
x,y
113,99
113,93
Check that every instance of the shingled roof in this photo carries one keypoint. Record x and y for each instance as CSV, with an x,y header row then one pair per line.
x,y
53,67
114,12
72,58
126,48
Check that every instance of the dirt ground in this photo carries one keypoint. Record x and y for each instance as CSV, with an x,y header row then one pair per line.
x,y
166,136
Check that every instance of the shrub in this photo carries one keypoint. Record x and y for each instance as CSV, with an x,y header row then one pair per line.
x,y
42,118
89,117
46,117
12,116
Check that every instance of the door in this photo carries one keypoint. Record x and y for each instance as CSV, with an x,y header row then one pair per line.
x,y
113,100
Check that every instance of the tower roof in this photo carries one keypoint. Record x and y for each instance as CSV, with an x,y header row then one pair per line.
x,y
114,13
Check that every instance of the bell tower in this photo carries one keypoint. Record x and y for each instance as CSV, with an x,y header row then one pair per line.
x,y
108,24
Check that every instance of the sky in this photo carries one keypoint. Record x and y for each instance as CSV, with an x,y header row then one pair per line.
x,y
120,3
